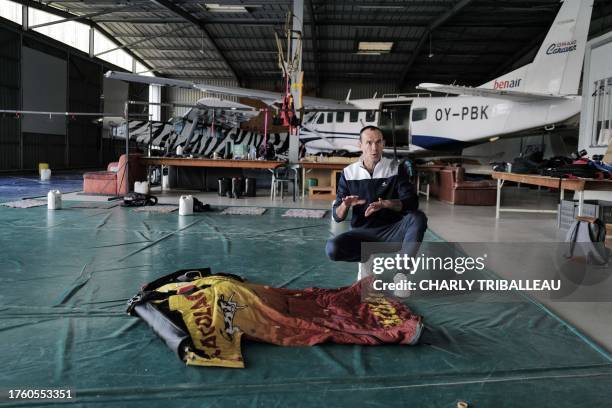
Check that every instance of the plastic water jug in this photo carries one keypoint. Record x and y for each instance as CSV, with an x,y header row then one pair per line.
x,y
54,200
179,150
141,187
45,174
186,205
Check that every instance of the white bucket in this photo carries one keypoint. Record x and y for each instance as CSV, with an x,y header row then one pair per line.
x,y
179,150
186,205
141,187
54,200
45,174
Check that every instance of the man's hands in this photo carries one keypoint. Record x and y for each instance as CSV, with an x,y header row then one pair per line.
x,y
394,204
348,202
351,200
374,206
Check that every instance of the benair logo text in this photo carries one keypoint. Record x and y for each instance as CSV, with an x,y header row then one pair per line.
x,y
558,48
513,83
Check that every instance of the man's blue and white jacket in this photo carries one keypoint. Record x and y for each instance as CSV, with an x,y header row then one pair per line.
x,y
389,181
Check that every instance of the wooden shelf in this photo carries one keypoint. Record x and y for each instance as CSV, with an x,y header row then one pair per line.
x,y
322,193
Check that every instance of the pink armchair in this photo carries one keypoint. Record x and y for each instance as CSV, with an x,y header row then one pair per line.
x,y
113,181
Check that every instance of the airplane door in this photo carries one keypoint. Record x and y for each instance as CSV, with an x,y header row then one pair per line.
x,y
401,117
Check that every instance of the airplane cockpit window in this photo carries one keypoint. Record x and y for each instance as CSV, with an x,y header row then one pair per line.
x,y
354,116
321,118
330,117
419,114
370,116
340,117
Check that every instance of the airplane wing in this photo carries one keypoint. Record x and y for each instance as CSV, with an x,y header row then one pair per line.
x,y
232,113
271,98
267,97
489,93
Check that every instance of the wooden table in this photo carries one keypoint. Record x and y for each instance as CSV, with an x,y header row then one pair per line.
x,y
310,165
212,163
578,185
323,165
220,163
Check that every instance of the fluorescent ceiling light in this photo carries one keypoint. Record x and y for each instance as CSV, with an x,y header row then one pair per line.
x,y
222,8
374,47
379,7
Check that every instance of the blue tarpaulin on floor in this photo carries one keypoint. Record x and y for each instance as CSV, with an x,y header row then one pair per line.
x,y
66,276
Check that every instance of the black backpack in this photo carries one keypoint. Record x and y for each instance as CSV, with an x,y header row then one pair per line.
x,y
199,206
138,200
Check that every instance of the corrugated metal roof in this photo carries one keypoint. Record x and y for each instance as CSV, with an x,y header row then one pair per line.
x,y
469,47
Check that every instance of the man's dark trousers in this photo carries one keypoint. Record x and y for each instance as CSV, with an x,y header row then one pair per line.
x,y
408,231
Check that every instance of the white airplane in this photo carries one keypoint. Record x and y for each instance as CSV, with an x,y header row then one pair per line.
x,y
542,94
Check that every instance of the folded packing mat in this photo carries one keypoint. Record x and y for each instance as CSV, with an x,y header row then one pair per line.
x,y
25,203
243,211
157,208
302,213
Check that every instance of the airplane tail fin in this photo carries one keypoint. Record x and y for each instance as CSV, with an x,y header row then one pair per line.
x,y
557,66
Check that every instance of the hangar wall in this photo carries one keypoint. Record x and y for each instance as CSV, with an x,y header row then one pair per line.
x,y
10,98
114,95
85,85
53,80
44,137
76,83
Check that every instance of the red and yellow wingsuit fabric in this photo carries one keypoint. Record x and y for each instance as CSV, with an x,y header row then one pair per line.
x,y
219,310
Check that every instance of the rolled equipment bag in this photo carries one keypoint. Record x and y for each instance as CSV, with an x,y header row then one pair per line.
x,y
174,337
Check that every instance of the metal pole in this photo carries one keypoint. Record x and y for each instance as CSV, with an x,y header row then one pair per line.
x,y
127,146
266,133
498,198
393,135
150,136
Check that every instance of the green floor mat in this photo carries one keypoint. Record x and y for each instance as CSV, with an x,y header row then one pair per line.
x,y
67,274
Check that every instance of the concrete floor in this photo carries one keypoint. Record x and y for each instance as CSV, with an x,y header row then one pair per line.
x,y
478,224
468,224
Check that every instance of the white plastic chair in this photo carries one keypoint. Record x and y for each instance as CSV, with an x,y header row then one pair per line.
x,y
280,176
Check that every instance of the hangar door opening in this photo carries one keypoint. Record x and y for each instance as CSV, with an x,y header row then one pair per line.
x,y
401,117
